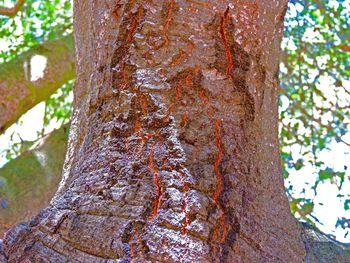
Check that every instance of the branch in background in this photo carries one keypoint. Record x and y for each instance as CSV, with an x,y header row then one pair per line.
x,y
29,181
323,248
341,34
18,93
12,11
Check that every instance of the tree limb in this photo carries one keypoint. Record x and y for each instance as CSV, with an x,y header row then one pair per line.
x,y
18,93
28,182
322,248
12,11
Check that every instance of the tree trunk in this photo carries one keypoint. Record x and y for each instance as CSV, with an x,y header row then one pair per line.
x,y
173,153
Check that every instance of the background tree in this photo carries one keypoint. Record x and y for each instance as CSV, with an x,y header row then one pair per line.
x,y
315,99
39,29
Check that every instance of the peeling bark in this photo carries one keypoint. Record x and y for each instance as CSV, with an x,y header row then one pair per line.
x,y
173,153
19,94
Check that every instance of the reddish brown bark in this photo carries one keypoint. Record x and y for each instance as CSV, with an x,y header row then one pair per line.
x,y
173,153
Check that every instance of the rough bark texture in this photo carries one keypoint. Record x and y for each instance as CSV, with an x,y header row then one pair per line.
x,y
173,153
19,94
28,182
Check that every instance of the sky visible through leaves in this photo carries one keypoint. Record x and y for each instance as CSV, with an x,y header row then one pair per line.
x,y
314,112
314,104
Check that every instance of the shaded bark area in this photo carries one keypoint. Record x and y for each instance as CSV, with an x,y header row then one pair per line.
x,y
28,182
18,93
173,153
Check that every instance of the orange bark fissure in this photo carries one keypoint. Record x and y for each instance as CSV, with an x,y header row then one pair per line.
x,y
224,39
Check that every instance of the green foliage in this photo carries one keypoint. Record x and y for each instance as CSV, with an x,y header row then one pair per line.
x,y
347,204
315,95
58,107
38,21
17,147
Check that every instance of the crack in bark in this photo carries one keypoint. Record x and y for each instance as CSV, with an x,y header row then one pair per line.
x,y
224,39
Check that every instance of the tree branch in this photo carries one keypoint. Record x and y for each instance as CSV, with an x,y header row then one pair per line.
x,y
322,248
12,11
19,92
30,180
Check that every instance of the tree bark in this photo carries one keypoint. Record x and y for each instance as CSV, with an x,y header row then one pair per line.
x,y
19,94
27,185
173,153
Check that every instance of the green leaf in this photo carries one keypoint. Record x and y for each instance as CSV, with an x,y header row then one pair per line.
x,y
347,204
